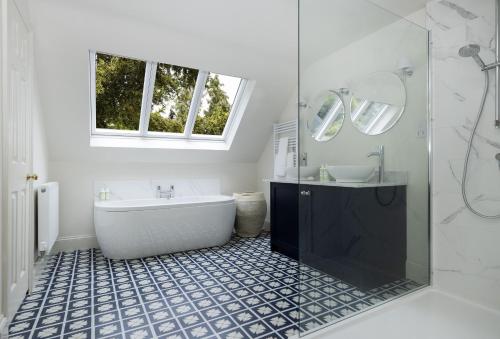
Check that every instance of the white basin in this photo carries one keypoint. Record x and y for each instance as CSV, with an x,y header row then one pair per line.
x,y
306,172
351,173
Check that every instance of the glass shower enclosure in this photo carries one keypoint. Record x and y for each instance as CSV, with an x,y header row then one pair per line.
x,y
363,189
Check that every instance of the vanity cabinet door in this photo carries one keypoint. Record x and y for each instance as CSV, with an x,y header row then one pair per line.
x,y
322,228
356,234
284,219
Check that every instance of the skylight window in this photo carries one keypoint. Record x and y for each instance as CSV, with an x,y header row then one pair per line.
x,y
218,98
150,104
118,91
172,96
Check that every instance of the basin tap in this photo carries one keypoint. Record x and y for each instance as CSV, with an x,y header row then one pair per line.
x,y
303,159
497,157
169,194
380,155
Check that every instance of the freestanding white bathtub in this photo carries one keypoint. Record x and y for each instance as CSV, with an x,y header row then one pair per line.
x,y
128,229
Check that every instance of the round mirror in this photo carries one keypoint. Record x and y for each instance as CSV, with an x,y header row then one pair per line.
x,y
326,116
377,102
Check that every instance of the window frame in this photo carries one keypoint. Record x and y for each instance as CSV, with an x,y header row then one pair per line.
x,y
101,137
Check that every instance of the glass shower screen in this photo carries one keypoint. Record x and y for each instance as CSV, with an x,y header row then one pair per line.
x,y
364,213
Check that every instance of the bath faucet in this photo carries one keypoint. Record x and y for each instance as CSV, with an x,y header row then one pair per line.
x,y
169,194
381,165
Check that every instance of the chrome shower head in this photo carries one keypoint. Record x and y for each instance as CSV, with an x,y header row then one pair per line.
x,y
469,50
472,50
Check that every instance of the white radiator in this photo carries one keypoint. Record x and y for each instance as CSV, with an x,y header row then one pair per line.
x,y
48,216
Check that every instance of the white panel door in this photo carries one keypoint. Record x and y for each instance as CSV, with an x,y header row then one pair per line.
x,y
17,157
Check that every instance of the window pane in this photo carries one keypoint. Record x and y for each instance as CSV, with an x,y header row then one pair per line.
x,y
173,91
119,85
218,98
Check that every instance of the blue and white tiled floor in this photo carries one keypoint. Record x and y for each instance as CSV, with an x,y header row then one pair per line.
x,y
240,290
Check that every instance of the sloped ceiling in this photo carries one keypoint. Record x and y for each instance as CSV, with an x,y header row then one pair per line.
x,y
216,35
254,39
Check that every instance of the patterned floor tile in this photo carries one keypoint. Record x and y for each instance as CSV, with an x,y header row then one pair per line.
x,y
236,291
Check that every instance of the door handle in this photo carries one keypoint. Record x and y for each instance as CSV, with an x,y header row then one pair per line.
x,y
305,193
31,177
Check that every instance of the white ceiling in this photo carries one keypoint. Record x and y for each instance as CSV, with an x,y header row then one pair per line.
x,y
255,39
262,25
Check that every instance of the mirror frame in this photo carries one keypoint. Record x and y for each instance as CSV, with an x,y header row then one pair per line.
x,y
309,112
400,114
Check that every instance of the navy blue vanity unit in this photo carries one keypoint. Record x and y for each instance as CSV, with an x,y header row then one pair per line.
x,y
354,232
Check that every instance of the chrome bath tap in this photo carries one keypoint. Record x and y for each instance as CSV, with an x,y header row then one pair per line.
x,y
381,165
168,194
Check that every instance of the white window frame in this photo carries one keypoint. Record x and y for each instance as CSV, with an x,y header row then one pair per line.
x,y
142,138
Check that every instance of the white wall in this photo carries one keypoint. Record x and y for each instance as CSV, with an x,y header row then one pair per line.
x,y
76,182
466,248
3,319
40,152
379,51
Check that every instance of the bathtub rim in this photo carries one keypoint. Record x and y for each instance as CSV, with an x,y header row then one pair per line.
x,y
114,205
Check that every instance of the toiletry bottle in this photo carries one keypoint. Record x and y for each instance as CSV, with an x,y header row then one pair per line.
x,y
102,194
326,176
106,194
322,173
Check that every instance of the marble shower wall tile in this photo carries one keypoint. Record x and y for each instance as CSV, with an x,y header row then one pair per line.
x,y
466,251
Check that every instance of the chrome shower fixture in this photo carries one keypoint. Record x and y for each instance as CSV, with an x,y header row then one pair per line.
x,y
467,51
472,50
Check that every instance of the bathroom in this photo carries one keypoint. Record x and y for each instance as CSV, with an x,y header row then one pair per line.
x,y
222,169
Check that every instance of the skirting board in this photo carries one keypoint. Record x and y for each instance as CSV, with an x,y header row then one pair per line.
x,y
76,242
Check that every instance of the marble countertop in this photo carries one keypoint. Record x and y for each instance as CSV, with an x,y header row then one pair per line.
x,y
335,184
392,178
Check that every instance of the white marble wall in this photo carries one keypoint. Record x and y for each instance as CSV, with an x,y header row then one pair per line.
x,y
146,189
466,248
